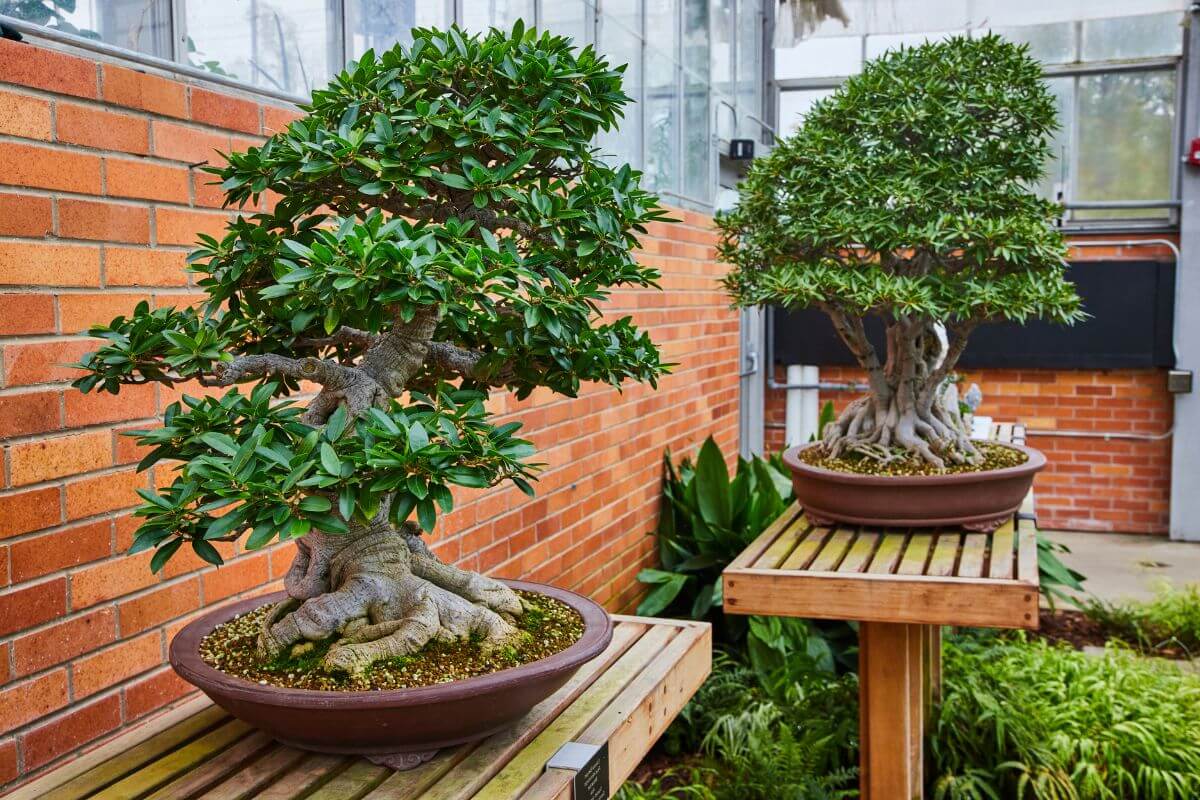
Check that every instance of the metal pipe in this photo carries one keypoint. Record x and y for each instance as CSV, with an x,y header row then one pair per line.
x,y
1081,205
1106,435
102,48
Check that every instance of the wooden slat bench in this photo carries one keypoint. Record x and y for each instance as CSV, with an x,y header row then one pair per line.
x,y
625,697
902,586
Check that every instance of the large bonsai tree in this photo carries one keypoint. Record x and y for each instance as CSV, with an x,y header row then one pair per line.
x,y
905,195
441,226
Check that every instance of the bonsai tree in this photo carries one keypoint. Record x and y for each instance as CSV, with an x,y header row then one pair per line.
x,y
441,227
905,196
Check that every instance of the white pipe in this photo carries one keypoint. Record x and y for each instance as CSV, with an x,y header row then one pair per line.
x,y
802,406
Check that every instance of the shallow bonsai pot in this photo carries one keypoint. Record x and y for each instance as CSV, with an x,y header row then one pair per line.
x,y
400,728
979,501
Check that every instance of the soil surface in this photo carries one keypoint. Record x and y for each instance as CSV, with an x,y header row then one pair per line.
x,y
1079,631
550,625
995,456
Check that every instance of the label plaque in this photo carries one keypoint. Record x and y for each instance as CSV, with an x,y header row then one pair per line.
x,y
589,762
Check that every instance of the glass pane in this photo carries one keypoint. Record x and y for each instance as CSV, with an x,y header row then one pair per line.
x,y
1055,179
621,45
1050,44
878,45
662,122
749,67
140,25
723,32
567,18
697,146
794,105
695,38
288,47
1125,126
1142,36
820,58
379,24
662,27
479,15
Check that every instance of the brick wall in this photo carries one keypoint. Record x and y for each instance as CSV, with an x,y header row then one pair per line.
x,y
98,202
1090,482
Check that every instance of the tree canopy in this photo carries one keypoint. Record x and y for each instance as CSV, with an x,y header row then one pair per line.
x,y
907,192
441,225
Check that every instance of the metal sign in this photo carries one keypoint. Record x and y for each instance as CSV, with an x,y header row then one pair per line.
x,y
589,762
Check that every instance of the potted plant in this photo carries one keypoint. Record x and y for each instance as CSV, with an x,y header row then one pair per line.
x,y
441,228
904,201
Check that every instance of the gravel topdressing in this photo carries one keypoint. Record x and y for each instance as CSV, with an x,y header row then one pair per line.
x,y
995,456
551,626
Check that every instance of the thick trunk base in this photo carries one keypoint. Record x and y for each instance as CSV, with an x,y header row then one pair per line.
x,y
383,594
895,430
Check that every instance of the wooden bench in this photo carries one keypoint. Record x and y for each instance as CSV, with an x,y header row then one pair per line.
x,y
901,586
624,698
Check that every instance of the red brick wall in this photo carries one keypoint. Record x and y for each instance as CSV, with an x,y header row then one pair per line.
x,y
97,206
1090,483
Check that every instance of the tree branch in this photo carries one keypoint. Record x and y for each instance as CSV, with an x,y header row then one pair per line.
x,y
326,373
450,358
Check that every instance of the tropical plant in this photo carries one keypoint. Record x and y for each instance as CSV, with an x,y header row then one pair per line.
x,y
1055,577
442,227
1026,720
904,198
705,520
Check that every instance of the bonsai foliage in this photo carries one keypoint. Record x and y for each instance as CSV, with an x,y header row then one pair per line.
x,y
442,227
905,196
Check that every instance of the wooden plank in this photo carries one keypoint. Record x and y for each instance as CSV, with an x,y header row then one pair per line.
x,y
833,551
410,784
974,552
806,550
860,552
524,768
639,715
216,769
1027,558
352,783
244,782
116,759
945,553
1000,558
887,555
311,772
774,555
490,756
764,540
174,764
1004,433
881,598
916,554
1018,435
887,712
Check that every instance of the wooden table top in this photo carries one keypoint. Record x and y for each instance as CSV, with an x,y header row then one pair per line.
x,y
625,697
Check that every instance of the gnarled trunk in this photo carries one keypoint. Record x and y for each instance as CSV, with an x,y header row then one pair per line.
x,y
382,593
903,415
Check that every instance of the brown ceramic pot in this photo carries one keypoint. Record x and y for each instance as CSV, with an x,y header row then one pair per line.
x,y
401,728
974,500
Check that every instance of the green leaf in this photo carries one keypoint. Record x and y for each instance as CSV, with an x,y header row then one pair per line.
x,y
712,486
657,600
329,459
315,503
164,553
426,514
207,552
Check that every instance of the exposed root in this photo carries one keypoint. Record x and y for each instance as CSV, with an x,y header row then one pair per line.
x,y
384,594
892,431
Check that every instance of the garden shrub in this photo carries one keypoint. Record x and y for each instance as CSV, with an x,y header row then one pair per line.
x,y
1171,622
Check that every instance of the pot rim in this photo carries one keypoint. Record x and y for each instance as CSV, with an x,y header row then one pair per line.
x,y
1036,460
185,657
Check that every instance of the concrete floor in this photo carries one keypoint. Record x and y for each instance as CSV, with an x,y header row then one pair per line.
x,y
1129,566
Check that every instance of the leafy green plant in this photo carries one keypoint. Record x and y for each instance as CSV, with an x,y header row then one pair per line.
x,y
443,228
1026,720
673,784
1170,622
1055,577
706,519
905,195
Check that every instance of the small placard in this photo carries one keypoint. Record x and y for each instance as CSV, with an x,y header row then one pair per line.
x,y
589,762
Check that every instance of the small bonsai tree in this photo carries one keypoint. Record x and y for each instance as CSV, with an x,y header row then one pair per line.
x,y
905,195
441,227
